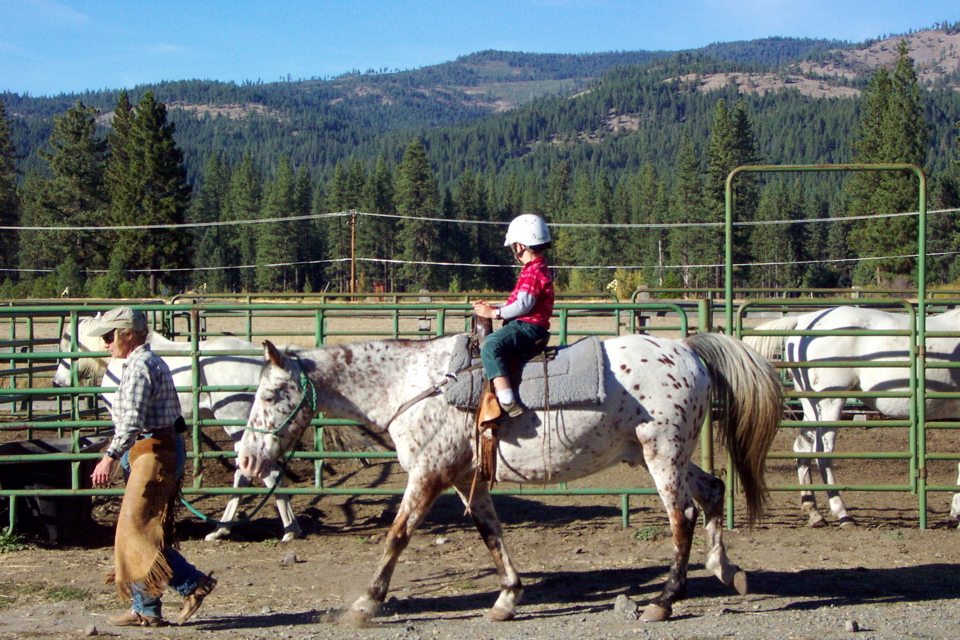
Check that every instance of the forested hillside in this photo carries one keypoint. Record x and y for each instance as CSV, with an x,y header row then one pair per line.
x,y
318,122
628,138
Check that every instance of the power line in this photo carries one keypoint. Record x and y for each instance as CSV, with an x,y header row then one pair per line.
x,y
343,214
479,222
509,266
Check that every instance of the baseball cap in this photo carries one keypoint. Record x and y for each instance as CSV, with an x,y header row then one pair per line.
x,y
119,318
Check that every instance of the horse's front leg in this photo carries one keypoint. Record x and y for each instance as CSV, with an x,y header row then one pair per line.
x,y
480,507
708,491
844,519
419,496
240,481
291,528
675,493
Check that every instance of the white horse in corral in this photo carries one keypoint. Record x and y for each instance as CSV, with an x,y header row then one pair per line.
x,y
869,349
657,393
214,370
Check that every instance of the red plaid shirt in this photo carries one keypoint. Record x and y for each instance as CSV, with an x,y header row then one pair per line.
x,y
535,280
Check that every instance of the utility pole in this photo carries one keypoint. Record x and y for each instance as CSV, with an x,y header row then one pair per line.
x,y
353,251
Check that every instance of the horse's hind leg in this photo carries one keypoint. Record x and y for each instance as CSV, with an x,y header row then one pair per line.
x,y
480,507
708,492
418,497
955,503
671,481
291,528
839,510
806,443
240,481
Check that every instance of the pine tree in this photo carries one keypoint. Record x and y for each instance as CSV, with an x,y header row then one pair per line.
x,y
464,240
557,206
304,239
344,194
9,197
316,279
243,203
577,245
376,236
210,206
732,145
147,185
650,208
721,154
73,196
892,129
275,242
776,247
692,245
417,196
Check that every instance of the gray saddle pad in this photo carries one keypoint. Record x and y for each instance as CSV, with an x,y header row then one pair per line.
x,y
575,376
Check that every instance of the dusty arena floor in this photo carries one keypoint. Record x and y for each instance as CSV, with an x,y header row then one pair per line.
x,y
887,576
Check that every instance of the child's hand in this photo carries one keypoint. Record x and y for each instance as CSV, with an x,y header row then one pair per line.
x,y
484,310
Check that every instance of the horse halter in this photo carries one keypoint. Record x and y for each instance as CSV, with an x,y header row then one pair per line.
x,y
309,391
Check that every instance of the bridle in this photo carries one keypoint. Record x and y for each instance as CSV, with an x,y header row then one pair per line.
x,y
309,395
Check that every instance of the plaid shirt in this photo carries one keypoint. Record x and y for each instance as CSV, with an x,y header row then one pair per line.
x,y
146,399
535,281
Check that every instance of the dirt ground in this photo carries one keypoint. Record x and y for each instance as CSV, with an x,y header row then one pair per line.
x,y
886,577
573,553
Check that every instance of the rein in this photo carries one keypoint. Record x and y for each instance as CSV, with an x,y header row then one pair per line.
x,y
426,393
312,396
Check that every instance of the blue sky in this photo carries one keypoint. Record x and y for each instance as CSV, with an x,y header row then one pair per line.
x,y
49,47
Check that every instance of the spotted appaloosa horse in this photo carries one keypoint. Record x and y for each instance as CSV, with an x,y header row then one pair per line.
x,y
657,394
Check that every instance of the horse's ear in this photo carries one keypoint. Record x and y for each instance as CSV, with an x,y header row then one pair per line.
x,y
270,352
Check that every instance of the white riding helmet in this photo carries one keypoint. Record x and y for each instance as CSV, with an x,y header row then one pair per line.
x,y
530,230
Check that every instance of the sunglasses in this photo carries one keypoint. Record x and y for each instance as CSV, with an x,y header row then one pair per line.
x,y
109,337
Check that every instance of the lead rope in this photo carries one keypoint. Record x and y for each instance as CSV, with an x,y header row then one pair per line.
x,y
312,395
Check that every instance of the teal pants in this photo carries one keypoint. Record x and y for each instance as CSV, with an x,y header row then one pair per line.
x,y
514,339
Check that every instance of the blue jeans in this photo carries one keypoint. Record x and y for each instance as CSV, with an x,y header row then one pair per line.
x,y
513,339
186,577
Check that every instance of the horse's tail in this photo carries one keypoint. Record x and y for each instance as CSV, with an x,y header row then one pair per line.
x,y
748,392
770,346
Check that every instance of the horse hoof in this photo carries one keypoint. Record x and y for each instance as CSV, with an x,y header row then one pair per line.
x,y
739,582
219,534
356,618
287,537
499,614
656,613
817,523
847,523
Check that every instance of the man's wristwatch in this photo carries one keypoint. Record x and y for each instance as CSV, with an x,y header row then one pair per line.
x,y
498,314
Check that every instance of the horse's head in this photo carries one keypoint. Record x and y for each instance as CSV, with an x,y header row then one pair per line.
x,y
283,407
87,367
